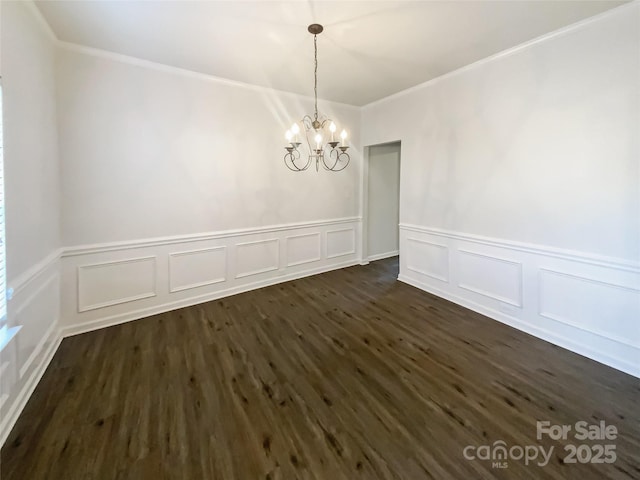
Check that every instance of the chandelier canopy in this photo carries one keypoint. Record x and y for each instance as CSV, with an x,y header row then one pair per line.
x,y
317,129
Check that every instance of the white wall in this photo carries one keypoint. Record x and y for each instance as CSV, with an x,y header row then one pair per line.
x,y
32,204
175,182
148,152
383,200
33,213
520,186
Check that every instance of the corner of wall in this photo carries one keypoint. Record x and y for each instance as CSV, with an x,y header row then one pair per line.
x,y
34,309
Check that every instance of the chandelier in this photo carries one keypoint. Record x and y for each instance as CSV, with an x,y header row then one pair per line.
x,y
333,155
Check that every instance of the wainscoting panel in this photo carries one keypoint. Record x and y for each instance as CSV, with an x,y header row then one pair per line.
x,y
39,309
585,303
303,249
490,276
428,258
108,284
33,313
197,268
341,242
259,256
598,307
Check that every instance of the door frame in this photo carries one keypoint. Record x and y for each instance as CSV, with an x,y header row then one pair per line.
x,y
364,198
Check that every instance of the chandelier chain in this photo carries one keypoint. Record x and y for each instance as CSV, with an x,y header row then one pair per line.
x,y
315,73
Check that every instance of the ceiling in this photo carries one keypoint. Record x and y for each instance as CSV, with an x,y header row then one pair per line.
x,y
368,50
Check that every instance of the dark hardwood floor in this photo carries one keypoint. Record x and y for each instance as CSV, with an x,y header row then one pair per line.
x,y
341,376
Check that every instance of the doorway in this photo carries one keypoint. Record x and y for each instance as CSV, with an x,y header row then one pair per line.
x,y
382,201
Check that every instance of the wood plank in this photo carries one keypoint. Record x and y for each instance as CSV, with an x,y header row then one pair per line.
x,y
345,375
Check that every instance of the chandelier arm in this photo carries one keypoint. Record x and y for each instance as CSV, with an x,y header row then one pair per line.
x,y
307,164
343,157
290,161
333,154
307,122
306,136
340,156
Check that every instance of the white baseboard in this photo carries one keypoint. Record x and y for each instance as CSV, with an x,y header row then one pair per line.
x,y
526,327
33,312
21,398
381,256
519,285
112,320
79,289
584,303
164,274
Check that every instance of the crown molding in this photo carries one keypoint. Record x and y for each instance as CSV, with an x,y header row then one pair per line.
x,y
162,67
35,11
506,53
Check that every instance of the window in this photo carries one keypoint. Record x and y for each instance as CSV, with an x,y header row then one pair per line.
x,y
3,271
6,333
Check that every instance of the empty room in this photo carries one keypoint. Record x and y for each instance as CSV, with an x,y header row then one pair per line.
x,y
324,240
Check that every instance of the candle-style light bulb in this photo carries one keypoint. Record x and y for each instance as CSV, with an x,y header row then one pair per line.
x,y
295,129
332,129
318,141
343,136
288,136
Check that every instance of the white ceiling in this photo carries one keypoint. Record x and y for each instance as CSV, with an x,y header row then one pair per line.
x,y
369,49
